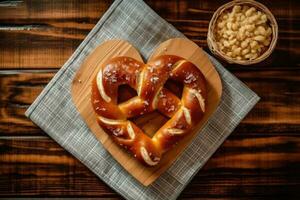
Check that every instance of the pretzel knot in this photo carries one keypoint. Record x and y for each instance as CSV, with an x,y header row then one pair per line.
x,y
148,80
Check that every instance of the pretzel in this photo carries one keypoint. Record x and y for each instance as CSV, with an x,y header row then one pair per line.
x,y
148,80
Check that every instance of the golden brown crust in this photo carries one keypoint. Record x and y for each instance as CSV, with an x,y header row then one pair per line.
x,y
149,80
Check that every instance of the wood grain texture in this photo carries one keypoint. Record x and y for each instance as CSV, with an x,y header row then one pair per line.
x,y
258,161
41,167
18,90
53,27
32,30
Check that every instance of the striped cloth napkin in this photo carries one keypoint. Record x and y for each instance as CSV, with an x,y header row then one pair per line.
x,y
55,113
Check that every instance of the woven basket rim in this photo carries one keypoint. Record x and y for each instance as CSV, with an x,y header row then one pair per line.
x,y
212,42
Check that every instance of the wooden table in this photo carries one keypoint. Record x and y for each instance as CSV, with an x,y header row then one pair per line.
x,y
260,160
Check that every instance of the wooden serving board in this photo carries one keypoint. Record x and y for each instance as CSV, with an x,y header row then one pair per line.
x,y
81,93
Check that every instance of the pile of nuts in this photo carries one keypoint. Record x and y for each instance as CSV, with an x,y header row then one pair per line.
x,y
244,33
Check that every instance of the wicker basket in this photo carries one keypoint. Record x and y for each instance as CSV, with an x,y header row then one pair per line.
x,y
212,44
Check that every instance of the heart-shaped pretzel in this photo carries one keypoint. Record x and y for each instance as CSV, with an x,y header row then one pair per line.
x,y
148,80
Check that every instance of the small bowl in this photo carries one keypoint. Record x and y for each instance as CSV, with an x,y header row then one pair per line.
x,y
212,44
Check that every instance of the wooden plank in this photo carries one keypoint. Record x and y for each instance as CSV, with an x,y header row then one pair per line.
x,y
18,91
50,48
45,35
34,9
277,112
255,167
32,48
41,167
279,96
19,10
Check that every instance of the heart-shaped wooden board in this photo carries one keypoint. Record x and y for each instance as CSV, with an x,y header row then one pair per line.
x,y
81,94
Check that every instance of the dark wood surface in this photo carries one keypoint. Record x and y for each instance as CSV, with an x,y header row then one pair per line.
x,y
260,160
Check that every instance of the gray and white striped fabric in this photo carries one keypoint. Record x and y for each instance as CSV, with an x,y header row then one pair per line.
x,y
55,113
